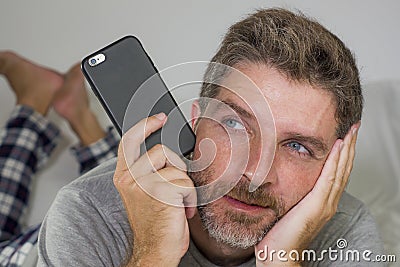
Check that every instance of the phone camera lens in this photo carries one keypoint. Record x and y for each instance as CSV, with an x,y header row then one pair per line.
x,y
93,61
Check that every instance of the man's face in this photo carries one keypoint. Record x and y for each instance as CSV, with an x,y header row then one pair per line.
x,y
305,132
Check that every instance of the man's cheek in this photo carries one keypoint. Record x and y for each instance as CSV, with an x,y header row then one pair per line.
x,y
213,154
296,180
223,157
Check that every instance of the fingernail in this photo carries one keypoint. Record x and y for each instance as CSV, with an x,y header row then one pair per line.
x,y
160,116
341,145
355,130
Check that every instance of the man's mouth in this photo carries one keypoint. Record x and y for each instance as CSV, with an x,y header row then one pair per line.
x,y
244,205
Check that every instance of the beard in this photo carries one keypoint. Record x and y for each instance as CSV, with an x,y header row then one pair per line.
x,y
235,228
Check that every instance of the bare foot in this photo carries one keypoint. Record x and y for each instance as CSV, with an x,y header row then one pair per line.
x,y
72,100
34,85
72,103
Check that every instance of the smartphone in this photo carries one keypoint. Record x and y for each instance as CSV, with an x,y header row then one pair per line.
x,y
129,87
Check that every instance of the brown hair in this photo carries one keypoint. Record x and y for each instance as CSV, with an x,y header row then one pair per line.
x,y
301,49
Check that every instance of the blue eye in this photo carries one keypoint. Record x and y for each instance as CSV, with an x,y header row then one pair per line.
x,y
234,124
295,146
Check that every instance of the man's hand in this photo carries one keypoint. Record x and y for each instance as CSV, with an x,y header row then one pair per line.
x,y
301,224
160,228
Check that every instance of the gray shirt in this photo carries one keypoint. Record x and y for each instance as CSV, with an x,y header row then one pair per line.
x,y
87,226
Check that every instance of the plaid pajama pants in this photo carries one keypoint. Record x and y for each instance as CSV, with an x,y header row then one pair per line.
x,y
26,143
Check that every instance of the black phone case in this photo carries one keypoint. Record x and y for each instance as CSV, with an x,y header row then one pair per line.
x,y
127,68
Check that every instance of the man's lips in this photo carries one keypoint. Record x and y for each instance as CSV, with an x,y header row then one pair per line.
x,y
242,205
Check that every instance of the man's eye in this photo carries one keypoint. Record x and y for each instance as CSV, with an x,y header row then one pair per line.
x,y
234,124
295,146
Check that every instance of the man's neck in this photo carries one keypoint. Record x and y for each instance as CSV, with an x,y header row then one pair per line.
x,y
217,253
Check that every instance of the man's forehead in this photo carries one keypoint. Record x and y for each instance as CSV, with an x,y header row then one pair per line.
x,y
259,84
248,78
228,96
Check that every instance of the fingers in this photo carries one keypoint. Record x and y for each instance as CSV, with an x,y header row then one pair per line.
x,y
153,183
170,186
337,168
185,188
129,147
345,164
156,158
342,163
352,149
327,178
161,174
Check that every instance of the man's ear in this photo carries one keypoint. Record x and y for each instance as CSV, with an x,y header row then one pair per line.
x,y
196,112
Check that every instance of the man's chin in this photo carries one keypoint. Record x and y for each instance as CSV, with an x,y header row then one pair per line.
x,y
234,227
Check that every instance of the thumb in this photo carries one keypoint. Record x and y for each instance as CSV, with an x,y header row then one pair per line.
x,y
129,146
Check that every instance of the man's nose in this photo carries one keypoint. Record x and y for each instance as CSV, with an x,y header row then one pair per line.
x,y
259,169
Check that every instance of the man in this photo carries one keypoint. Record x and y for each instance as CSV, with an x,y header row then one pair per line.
x,y
311,84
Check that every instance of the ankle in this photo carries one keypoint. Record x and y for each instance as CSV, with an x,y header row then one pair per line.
x,y
87,128
38,106
77,117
